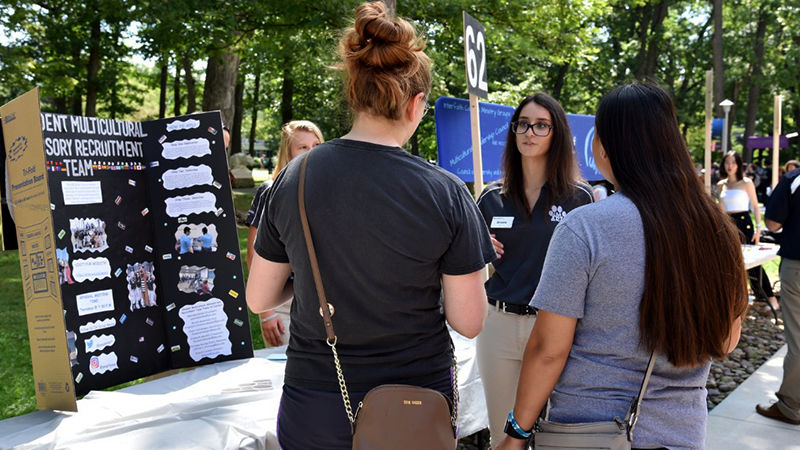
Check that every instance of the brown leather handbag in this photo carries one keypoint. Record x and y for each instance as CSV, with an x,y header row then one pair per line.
x,y
391,416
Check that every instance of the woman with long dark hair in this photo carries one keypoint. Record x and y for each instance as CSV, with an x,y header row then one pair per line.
x,y
654,268
392,234
540,185
737,195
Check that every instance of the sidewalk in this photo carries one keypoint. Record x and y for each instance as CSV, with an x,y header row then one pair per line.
x,y
734,423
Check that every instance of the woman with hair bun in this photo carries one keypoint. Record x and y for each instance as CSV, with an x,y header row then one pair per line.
x,y
654,269
391,231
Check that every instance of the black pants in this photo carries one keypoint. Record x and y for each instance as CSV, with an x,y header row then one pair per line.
x,y
310,419
744,223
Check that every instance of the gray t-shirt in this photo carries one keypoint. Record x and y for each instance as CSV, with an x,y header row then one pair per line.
x,y
594,271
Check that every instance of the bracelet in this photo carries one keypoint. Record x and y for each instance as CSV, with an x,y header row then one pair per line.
x,y
267,319
513,429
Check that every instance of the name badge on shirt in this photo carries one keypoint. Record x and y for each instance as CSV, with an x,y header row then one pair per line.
x,y
502,221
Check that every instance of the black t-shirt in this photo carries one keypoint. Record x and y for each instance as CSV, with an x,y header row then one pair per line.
x,y
386,225
784,207
525,242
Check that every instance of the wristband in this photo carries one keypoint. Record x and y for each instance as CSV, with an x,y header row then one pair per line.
x,y
267,319
513,429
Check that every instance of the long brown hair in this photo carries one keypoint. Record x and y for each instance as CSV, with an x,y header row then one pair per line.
x,y
383,62
562,172
695,283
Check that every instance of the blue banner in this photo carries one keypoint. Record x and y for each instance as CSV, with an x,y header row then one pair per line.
x,y
454,143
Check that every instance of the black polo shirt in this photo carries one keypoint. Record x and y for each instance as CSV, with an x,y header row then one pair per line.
x,y
386,225
525,241
783,207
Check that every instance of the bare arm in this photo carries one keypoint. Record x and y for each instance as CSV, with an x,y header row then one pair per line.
x,y
736,333
772,225
465,302
251,239
751,193
268,285
544,359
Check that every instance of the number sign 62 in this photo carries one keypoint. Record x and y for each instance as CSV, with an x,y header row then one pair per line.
x,y
475,51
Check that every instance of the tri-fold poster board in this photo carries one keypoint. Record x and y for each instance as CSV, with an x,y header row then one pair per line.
x,y
128,247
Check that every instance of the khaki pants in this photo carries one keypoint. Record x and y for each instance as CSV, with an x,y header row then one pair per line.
x,y
789,393
499,350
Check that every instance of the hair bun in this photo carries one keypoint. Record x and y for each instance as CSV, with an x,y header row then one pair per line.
x,y
379,40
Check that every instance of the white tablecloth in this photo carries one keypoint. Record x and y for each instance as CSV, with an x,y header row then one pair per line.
x,y
227,405
756,255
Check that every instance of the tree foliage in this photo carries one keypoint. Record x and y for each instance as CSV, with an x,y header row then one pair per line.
x,y
106,57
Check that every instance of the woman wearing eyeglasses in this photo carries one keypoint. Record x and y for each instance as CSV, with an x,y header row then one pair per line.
x,y
541,185
654,268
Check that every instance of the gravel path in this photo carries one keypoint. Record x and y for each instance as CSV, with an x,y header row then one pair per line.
x,y
761,338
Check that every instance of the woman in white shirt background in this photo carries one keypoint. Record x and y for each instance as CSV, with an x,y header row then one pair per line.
x,y
737,195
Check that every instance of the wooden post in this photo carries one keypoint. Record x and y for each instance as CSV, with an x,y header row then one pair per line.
x,y
709,119
477,162
776,140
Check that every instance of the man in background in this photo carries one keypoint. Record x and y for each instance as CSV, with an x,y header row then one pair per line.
x,y
783,211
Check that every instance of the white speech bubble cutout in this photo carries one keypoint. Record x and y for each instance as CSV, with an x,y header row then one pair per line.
x,y
183,124
187,177
191,204
82,192
186,148
205,328
96,343
90,327
103,363
90,269
94,302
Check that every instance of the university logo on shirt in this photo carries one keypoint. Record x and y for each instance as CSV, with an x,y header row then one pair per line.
x,y
557,213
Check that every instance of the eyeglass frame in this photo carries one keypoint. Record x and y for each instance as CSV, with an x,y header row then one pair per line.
x,y
425,108
515,124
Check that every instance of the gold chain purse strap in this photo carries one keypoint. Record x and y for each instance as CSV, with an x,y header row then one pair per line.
x,y
325,309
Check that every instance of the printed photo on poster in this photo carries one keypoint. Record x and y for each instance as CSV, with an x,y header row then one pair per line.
x,y
72,348
141,285
196,280
64,272
88,235
193,238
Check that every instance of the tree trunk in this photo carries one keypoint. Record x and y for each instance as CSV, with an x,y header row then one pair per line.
x,y
238,110
287,90
93,68
176,90
221,75
719,68
191,92
558,80
254,116
654,42
162,85
414,142
61,105
391,6
76,102
641,53
755,83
